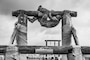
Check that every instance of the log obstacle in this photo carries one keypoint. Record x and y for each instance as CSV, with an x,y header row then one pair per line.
x,y
73,53
43,49
43,10
35,13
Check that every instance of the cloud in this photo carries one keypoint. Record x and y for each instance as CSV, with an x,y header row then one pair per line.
x,y
6,29
54,31
7,6
35,31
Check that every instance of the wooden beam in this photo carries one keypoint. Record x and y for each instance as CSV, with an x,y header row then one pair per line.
x,y
29,13
35,13
56,50
33,49
2,49
53,40
85,49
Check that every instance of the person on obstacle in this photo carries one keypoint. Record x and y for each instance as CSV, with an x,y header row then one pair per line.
x,y
47,20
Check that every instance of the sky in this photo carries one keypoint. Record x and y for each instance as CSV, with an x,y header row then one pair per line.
x,y
38,33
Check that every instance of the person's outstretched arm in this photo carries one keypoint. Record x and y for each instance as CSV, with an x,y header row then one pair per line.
x,y
32,19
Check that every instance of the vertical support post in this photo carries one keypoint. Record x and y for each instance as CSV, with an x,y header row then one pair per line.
x,y
54,43
58,43
77,54
66,31
46,42
46,45
12,53
21,37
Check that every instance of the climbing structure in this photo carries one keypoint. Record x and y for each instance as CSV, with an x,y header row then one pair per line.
x,y
42,15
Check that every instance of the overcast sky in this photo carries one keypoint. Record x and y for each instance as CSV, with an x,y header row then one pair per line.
x,y
38,33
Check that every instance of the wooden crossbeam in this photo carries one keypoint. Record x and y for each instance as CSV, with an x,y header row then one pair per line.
x,y
45,50
35,13
28,13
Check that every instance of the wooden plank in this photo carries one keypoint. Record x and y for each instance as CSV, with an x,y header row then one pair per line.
x,y
85,49
29,13
56,50
35,13
2,49
32,49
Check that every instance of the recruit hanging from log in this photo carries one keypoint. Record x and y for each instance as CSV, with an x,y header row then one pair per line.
x,y
42,14
47,20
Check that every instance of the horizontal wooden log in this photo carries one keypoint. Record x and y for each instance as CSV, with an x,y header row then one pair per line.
x,y
85,49
2,49
45,50
38,49
29,13
35,13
